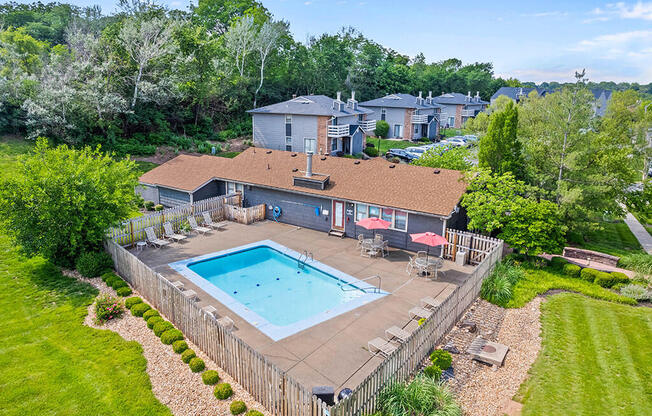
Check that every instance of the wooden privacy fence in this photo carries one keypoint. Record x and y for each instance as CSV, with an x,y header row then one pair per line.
x,y
407,359
477,247
269,385
226,207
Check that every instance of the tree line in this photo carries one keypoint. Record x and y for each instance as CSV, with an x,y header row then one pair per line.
x,y
148,76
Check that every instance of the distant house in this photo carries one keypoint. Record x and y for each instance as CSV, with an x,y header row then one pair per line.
x,y
315,123
409,117
319,192
517,93
457,108
602,98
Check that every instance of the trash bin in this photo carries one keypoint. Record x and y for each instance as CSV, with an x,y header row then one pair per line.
x,y
460,257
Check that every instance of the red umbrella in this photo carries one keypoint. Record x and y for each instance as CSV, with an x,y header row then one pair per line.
x,y
429,239
373,223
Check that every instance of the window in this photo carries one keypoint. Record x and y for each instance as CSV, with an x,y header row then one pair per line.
x,y
334,144
310,145
451,121
383,113
288,125
360,117
288,144
398,130
288,119
397,219
416,129
232,187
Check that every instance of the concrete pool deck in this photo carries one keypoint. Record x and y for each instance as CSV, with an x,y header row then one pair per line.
x,y
333,352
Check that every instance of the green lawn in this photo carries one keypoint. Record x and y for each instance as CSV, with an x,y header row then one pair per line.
x,y
386,144
595,360
143,167
615,239
451,132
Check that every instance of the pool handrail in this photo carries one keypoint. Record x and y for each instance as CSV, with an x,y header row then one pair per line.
x,y
375,289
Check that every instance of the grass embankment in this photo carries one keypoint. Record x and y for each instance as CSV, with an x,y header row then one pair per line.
x,y
615,238
595,360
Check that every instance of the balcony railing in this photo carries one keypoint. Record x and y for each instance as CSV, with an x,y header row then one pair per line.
x,y
419,119
341,130
368,125
468,113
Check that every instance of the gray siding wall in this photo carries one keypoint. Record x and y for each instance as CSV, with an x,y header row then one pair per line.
x,y
357,140
269,131
347,120
446,112
172,198
393,116
209,190
295,209
149,193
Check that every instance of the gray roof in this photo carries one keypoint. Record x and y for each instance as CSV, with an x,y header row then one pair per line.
x,y
399,101
309,105
456,98
597,92
515,92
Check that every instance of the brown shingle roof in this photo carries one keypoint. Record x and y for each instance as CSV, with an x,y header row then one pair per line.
x,y
408,187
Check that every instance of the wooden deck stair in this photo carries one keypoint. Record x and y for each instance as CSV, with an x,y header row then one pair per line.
x,y
336,233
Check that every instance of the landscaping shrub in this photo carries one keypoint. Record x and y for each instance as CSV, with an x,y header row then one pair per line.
x,y
109,275
223,391
637,292
149,205
210,377
422,396
171,335
93,264
187,355
640,262
124,291
158,207
238,407
179,346
558,263
132,301
588,274
107,307
371,151
382,128
620,277
604,279
253,413
152,321
497,288
161,327
441,359
196,364
150,313
111,279
432,371
117,283
139,309
572,270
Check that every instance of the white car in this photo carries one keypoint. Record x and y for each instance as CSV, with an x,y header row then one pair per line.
x,y
416,152
456,141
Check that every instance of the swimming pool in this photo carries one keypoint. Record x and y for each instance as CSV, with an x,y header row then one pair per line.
x,y
263,284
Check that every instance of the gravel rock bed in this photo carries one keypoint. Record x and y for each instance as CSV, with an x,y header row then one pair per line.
x,y
172,381
485,390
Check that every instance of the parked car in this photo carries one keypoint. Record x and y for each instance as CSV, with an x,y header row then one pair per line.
x,y
456,141
416,152
471,139
399,153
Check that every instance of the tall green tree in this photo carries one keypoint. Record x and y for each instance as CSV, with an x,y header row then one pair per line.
x,y
500,149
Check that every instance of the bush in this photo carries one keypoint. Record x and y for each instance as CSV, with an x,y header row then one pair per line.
x,y
196,364
152,321
139,309
497,288
210,377
93,264
150,313
422,396
441,359
132,301
572,270
124,291
171,335
588,274
640,262
109,275
604,279
187,355
149,205
158,207
223,391
371,151
636,292
179,346
558,263
117,283
432,371
253,413
382,128
620,278
107,308
238,407
160,327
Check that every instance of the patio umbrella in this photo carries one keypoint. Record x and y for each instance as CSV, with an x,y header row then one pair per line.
x,y
429,239
373,223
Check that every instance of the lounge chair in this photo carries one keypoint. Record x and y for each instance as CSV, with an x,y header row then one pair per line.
x,y
153,239
430,303
380,346
169,233
419,313
210,310
193,224
208,221
190,294
227,323
395,332
178,284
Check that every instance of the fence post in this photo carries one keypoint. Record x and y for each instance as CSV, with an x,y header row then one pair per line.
x,y
131,231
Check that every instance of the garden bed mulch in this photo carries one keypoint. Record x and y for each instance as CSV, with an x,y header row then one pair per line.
x,y
172,381
484,390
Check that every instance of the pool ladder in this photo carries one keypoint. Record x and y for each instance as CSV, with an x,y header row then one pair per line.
x,y
306,255
348,287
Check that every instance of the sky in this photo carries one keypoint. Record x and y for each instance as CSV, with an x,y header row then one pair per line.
x,y
532,41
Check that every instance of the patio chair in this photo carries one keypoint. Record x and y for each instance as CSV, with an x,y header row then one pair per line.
x,y
380,346
385,248
227,323
193,224
368,249
153,239
419,313
360,240
208,221
409,268
421,254
190,294
178,284
210,310
429,302
378,237
169,233
395,332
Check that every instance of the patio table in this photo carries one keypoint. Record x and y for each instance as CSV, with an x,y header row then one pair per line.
x,y
424,263
376,245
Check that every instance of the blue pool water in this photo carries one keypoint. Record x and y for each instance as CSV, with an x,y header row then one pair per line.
x,y
262,283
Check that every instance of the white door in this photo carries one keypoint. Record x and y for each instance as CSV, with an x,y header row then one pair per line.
x,y
338,215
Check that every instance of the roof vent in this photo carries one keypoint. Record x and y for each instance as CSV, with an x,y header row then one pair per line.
x,y
293,155
357,162
268,152
436,171
392,166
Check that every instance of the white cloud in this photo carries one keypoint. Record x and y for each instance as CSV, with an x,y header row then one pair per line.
x,y
555,13
614,40
640,10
